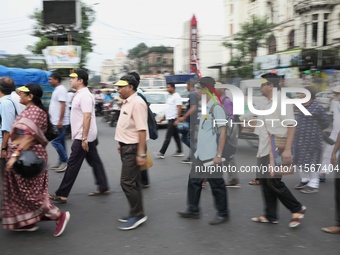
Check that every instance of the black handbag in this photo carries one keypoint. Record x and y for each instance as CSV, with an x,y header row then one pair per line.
x,y
51,134
28,164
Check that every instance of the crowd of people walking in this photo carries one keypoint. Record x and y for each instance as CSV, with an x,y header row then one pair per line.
x,y
25,201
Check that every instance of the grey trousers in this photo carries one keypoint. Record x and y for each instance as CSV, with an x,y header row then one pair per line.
x,y
130,179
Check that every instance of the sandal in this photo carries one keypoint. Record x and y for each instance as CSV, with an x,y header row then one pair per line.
x,y
332,230
254,182
98,193
263,219
58,199
296,221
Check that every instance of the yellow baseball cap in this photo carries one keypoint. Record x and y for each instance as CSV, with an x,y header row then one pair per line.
x,y
121,83
73,75
23,89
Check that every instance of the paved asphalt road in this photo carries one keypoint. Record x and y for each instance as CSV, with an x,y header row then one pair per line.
x,y
92,228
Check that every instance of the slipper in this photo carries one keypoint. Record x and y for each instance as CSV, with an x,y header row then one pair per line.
x,y
294,222
332,230
57,199
98,193
263,219
254,182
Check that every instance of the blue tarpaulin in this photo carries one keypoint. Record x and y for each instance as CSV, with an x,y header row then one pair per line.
x,y
23,76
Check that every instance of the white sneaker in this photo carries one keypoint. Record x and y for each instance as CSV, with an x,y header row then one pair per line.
x,y
54,167
159,155
61,168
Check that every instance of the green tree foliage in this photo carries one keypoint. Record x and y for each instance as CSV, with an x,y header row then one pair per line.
x,y
253,35
15,61
82,38
139,51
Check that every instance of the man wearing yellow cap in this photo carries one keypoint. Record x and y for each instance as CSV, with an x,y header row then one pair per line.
x,y
84,136
131,134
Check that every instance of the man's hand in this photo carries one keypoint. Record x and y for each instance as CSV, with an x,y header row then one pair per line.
x,y
60,124
140,161
333,159
287,156
179,119
85,145
217,160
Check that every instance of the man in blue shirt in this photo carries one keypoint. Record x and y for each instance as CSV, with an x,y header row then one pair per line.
x,y
8,113
208,156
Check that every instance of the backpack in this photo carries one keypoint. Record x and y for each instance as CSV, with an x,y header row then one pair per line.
x,y
152,125
230,146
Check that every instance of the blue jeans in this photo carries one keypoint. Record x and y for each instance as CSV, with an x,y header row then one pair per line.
x,y
59,144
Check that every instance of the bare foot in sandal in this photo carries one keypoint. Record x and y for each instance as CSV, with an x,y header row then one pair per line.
x,y
263,219
332,230
297,217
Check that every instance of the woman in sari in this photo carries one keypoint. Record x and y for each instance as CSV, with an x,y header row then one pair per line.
x,y
26,200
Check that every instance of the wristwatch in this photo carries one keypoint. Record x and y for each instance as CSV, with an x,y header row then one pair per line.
x,y
84,139
218,155
142,155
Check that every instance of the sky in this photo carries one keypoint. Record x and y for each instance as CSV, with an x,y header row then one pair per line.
x,y
119,25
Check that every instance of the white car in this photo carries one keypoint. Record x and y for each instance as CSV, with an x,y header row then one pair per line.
x,y
158,105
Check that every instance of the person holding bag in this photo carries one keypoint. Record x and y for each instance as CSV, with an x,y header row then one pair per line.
x,y
273,188
26,200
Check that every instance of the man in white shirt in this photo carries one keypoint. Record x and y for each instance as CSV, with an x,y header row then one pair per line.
x,y
173,111
59,116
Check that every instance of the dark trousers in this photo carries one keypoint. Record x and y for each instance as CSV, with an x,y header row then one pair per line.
x,y
274,189
145,177
218,190
172,131
337,195
75,161
130,179
189,139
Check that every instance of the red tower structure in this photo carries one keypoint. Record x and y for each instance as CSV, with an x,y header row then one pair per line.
x,y
193,45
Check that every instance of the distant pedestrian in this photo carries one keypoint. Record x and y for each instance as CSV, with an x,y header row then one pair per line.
x,y
190,118
132,134
172,112
209,152
59,114
84,135
335,161
308,144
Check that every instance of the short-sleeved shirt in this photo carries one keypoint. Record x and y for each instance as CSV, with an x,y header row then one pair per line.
x,y
59,95
206,138
8,114
173,101
273,127
193,100
133,118
83,102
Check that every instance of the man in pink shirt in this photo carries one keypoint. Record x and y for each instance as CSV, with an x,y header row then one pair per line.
x,y
131,134
84,135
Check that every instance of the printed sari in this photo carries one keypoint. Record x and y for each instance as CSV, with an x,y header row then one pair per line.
x,y
26,200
